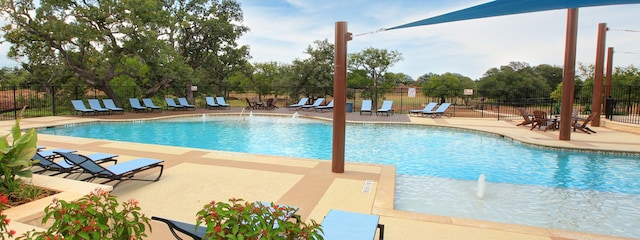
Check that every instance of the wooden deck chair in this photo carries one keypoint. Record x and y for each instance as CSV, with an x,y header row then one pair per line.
x,y
583,126
527,117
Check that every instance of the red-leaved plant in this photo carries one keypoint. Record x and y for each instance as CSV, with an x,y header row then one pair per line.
x,y
248,220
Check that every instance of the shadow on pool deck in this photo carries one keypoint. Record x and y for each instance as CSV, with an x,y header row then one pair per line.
x,y
194,177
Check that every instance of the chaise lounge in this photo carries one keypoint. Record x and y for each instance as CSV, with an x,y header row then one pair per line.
x,y
184,103
302,102
150,105
428,108
136,106
172,104
117,172
109,104
386,108
366,107
340,224
59,167
81,108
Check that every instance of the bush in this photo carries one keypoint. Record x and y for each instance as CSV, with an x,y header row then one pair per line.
x,y
248,220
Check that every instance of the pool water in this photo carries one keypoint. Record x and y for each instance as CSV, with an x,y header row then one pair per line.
x,y
437,168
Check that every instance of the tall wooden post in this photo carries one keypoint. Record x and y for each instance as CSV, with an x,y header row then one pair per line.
x,y
340,96
569,73
596,102
607,88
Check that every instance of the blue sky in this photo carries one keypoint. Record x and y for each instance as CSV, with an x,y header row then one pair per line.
x,y
281,31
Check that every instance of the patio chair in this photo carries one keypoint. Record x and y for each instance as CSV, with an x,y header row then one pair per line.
x,y
81,108
302,102
540,119
316,103
366,107
327,107
183,102
109,104
222,103
150,105
172,104
118,172
386,108
338,224
136,106
428,108
527,117
95,105
211,103
60,167
583,126
250,104
439,112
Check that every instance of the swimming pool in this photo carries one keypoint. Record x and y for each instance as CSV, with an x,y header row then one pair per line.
x,y
436,167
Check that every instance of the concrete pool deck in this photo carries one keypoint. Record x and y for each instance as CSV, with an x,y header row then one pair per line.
x,y
193,177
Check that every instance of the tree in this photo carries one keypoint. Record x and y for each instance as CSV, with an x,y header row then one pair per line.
x,y
205,34
552,74
446,85
512,82
375,62
313,76
93,39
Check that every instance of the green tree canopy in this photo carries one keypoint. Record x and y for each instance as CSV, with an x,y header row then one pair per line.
x,y
375,63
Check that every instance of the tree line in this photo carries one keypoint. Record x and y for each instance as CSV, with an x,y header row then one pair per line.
x,y
176,44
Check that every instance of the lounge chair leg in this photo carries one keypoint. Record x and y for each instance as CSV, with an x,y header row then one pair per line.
x,y
381,227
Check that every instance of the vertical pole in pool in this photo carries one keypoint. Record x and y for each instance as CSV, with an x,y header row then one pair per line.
x,y
340,96
481,186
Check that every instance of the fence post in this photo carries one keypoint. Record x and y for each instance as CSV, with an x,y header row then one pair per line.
x,y
15,103
53,100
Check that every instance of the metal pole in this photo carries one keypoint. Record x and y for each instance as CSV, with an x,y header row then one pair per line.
x,y
596,101
340,96
569,73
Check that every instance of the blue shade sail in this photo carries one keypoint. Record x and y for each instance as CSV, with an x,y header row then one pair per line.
x,y
508,7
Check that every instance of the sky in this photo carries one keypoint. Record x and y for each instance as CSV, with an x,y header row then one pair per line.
x,y
281,30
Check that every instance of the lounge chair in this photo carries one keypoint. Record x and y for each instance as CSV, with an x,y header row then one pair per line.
x,y
109,104
527,117
386,108
172,104
583,126
211,103
339,224
366,107
183,102
199,232
316,103
59,167
428,108
150,105
250,104
222,103
117,172
136,106
328,107
95,105
302,102
81,108
52,154
439,112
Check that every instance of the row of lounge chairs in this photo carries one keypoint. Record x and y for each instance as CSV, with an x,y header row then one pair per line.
x,y
91,167
429,111
316,106
386,107
95,107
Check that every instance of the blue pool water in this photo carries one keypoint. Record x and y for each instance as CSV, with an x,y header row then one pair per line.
x,y
436,167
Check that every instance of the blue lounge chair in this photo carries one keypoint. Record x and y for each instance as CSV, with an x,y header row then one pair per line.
x,y
302,102
366,107
150,105
183,102
117,172
211,103
136,106
172,104
386,108
440,111
95,105
350,225
81,108
222,103
109,104
328,107
316,103
429,107
47,164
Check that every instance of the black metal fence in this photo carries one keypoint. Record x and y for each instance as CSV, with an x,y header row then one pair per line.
x,y
624,103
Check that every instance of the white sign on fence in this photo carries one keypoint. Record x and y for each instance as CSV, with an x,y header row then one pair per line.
x,y
468,92
412,92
